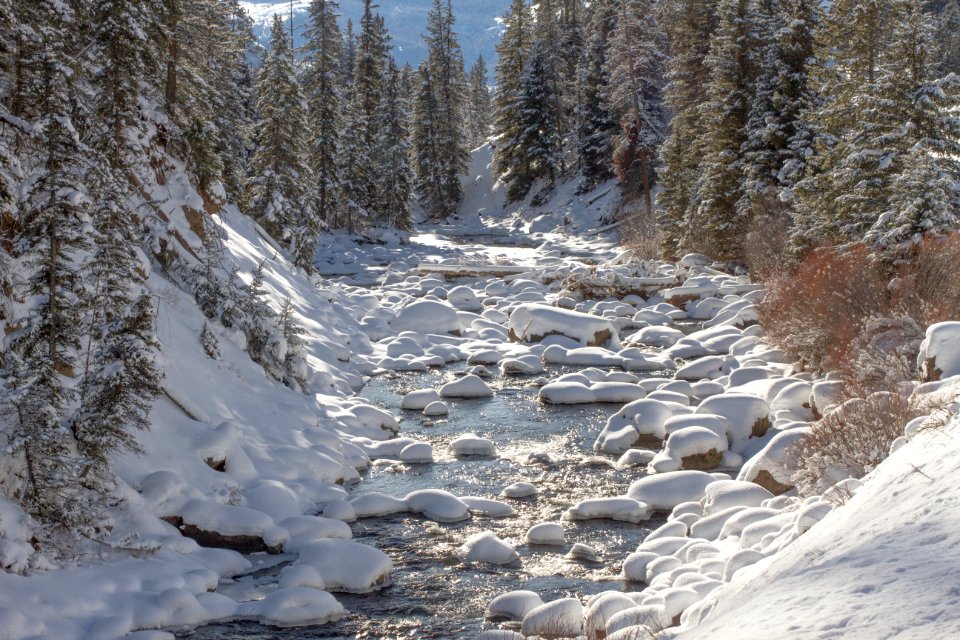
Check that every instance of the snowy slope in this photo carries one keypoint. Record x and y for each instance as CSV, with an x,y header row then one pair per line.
x,y
406,20
563,210
882,566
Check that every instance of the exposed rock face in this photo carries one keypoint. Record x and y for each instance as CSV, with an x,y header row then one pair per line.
x,y
242,544
703,461
768,482
647,441
760,427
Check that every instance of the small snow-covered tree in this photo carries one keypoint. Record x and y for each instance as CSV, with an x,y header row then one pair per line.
x,y
478,104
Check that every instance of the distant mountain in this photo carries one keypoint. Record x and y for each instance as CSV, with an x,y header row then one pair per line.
x,y
477,24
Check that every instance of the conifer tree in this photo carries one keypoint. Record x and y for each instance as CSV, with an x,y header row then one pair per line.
x,y
440,147
362,128
596,125
478,104
393,155
714,226
689,27
636,71
323,58
923,189
858,128
948,39
46,349
277,190
509,154
779,141
539,139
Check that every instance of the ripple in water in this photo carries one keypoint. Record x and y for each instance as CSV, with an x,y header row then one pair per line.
x,y
433,594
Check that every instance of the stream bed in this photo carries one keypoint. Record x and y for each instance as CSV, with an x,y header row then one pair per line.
x,y
433,594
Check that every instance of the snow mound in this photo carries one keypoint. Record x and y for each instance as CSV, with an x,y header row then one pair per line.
x,y
299,607
347,566
487,547
469,386
437,505
547,533
558,619
664,491
513,605
428,316
470,444
534,322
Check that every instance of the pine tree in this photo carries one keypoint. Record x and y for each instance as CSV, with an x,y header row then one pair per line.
x,y
689,26
277,189
51,244
393,156
714,226
858,125
362,129
636,71
923,193
779,141
539,138
478,104
323,58
440,147
948,39
509,154
596,125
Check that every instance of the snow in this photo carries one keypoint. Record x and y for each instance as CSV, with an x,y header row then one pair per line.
x,y
559,619
347,566
547,533
299,607
427,316
376,504
437,408
864,552
664,491
939,354
469,386
487,547
470,444
437,505
622,509
419,399
513,605
520,490
534,322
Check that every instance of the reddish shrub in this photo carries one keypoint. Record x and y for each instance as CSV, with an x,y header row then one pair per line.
x,y
817,310
927,288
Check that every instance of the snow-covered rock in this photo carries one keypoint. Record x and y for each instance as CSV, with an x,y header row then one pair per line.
x,y
664,491
299,607
470,444
558,619
469,386
547,533
534,322
437,505
428,316
487,547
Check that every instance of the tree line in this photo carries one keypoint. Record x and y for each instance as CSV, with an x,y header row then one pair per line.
x,y
828,125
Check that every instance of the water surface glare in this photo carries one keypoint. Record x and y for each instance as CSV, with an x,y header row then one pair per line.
x,y
433,594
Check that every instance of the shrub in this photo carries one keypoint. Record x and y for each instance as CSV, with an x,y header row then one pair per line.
x,y
883,357
816,311
927,288
767,244
641,236
850,441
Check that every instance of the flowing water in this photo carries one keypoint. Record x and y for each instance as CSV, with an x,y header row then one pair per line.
x,y
433,594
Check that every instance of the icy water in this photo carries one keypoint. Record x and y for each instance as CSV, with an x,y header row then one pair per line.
x,y
433,594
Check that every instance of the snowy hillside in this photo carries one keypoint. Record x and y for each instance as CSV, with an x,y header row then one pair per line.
x,y
477,24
